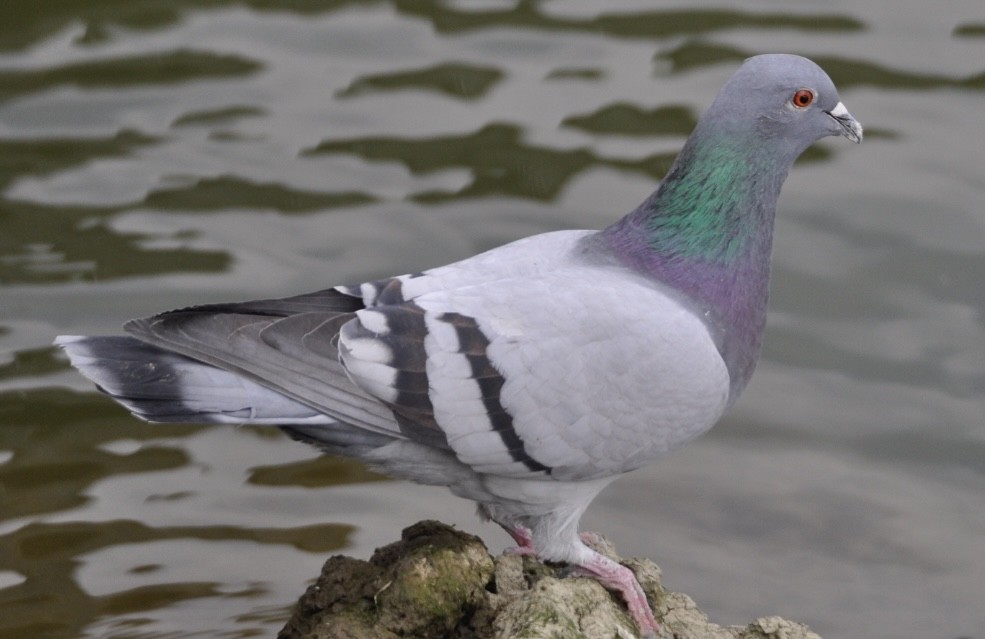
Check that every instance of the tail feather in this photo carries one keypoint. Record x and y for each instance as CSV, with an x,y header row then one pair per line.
x,y
160,386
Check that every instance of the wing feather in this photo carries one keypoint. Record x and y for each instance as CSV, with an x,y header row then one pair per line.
x,y
271,355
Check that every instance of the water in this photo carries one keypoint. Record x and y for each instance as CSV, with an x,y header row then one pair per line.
x,y
155,155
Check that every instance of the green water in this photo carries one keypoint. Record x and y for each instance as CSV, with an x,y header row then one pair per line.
x,y
159,154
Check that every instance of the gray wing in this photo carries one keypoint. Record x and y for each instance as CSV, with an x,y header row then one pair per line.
x,y
289,346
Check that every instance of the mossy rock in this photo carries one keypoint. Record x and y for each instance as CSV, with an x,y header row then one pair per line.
x,y
440,583
421,586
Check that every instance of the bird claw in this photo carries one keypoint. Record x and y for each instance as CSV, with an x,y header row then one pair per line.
x,y
614,576
608,572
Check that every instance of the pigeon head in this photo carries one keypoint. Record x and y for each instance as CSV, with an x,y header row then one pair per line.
x,y
714,209
781,100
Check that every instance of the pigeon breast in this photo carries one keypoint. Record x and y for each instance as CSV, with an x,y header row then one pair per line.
x,y
535,361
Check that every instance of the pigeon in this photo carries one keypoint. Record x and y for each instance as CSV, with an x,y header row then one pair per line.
x,y
528,377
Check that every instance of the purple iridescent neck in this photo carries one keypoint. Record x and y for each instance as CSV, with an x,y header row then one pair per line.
x,y
706,233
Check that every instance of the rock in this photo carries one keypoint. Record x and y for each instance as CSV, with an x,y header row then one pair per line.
x,y
440,583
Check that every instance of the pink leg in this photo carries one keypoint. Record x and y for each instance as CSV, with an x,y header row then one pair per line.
x,y
621,579
524,540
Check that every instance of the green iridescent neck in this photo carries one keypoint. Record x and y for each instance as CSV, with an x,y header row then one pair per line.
x,y
706,234
710,206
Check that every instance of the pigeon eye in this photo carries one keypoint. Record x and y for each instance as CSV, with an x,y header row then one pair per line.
x,y
803,98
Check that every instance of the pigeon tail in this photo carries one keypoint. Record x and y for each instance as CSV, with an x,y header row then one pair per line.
x,y
161,386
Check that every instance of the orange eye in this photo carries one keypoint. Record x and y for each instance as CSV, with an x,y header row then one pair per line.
x,y
803,98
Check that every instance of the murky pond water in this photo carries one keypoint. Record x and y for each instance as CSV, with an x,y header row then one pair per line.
x,y
155,155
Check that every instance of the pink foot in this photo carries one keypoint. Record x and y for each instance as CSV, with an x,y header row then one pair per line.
x,y
607,572
621,579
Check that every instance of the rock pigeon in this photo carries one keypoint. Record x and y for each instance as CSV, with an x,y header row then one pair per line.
x,y
529,377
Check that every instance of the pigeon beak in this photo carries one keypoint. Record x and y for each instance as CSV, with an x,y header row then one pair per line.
x,y
850,127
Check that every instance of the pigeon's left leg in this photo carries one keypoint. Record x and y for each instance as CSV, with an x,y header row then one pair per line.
x,y
524,540
522,535
621,579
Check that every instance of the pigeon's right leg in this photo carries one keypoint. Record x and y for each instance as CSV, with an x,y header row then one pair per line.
x,y
621,579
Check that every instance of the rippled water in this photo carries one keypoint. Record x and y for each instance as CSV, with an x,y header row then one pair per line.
x,y
159,154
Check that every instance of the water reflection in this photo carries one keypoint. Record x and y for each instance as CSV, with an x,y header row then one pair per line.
x,y
464,81
629,119
496,156
846,73
232,192
172,67
629,24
